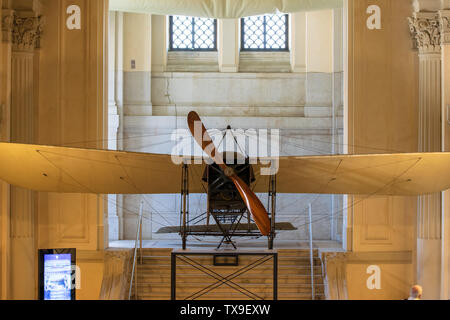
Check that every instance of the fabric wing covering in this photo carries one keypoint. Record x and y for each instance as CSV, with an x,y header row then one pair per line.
x,y
221,9
74,170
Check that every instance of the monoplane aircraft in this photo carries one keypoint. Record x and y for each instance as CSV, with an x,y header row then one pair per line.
x,y
230,196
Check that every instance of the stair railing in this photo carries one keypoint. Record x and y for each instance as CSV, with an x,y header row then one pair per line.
x,y
311,254
138,240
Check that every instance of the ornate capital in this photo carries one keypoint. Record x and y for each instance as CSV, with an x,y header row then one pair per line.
x,y
445,26
26,33
7,24
338,257
426,31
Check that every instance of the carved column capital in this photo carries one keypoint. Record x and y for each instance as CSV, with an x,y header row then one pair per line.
x,y
26,33
7,24
335,265
444,16
426,31
338,257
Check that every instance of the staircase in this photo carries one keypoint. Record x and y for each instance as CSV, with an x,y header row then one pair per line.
x,y
294,277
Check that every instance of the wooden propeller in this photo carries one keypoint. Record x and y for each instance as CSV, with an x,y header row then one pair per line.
x,y
254,205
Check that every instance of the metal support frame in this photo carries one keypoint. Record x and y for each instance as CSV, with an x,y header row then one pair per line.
x,y
184,204
273,202
220,279
228,234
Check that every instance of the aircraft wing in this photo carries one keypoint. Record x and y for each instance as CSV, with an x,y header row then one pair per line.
x,y
76,170
404,174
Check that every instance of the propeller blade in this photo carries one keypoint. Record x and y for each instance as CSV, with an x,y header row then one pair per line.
x,y
254,205
203,138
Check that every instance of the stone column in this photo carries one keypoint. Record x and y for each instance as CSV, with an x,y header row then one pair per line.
x,y
337,107
5,121
425,27
159,43
25,34
229,45
335,269
298,42
445,43
116,274
5,64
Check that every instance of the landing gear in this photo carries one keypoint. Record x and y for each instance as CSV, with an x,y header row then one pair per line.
x,y
228,233
270,245
227,211
183,240
272,208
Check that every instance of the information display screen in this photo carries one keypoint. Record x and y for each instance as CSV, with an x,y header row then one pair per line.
x,y
57,269
57,276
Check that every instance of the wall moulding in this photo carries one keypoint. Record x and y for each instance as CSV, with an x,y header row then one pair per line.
x,y
269,62
430,5
376,257
192,62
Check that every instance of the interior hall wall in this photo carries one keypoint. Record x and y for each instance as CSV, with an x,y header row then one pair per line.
x,y
381,117
299,103
73,112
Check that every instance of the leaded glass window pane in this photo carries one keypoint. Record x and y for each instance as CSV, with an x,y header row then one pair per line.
x,y
193,34
265,33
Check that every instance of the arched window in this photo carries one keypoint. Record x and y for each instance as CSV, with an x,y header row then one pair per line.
x,y
192,34
268,32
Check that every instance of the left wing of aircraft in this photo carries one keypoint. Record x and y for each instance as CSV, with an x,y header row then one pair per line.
x,y
76,170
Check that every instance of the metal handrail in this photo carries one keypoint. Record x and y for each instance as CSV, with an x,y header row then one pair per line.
x,y
311,257
138,239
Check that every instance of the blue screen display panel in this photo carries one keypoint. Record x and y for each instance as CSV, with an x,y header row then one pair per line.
x,y
57,268
57,276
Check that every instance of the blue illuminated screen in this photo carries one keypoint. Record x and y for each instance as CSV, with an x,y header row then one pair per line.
x,y
57,276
